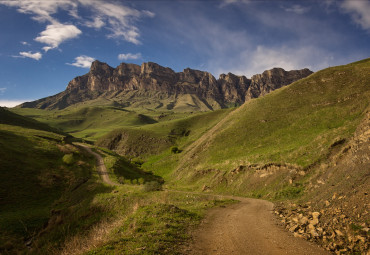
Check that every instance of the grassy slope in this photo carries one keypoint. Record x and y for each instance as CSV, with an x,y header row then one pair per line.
x,y
88,122
53,206
297,124
157,138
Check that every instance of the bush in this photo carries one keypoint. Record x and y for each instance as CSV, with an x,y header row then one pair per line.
x,y
141,180
290,192
68,159
152,186
175,149
121,180
137,161
134,181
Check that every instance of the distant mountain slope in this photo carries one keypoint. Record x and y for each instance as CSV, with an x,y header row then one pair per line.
x,y
155,87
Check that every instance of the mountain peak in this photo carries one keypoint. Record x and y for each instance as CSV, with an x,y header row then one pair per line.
x,y
156,83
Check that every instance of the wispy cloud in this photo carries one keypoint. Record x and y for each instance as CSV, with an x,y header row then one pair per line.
x,y
297,9
96,23
29,54
41,10
118,19
57,33
359,11
128,56
12,103
82,61
25,43
2,91
228,2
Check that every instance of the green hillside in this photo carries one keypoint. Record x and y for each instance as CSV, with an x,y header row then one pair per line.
x,y
173,129
297,125
280,147
88,122
52,200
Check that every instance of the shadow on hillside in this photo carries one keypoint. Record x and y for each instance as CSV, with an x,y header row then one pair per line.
x,y
42,200
127,172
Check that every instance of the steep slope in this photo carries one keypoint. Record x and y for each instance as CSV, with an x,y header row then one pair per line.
x,y
338,190
296,124
33,177
307,143
155,87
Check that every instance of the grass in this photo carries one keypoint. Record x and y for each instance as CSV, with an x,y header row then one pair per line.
x,y
158,224
88,122
263,149
154,139
296,124
70,209
121,169
32,161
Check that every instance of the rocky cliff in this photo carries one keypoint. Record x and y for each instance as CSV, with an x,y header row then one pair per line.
x,y
155,86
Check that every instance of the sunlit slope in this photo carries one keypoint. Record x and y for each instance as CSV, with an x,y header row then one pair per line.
x,y
174,129
88,122
297,124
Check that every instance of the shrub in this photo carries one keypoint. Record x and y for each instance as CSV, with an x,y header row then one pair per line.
x,y
152,186
68,159
137,161
121,180
134,181
175,149
290,192
141,180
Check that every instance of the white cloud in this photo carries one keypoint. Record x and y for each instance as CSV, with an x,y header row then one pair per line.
x,y
227,2
41,9
2,91
112,15
96,23
297,9
120,19
82,61
359,10
129,56
57,33
29,54
25,43
289,58
12,103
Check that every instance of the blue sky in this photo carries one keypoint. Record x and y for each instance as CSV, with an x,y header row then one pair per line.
x,y
46,43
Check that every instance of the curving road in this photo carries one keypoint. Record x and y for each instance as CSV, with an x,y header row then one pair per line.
x,y
100,167
248,227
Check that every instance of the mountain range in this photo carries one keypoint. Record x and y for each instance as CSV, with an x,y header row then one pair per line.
x,y
153,86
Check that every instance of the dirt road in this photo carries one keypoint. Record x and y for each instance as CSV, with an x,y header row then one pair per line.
x,y
102,170
248,227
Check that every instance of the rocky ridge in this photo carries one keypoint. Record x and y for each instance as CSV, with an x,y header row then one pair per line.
x,y
130,84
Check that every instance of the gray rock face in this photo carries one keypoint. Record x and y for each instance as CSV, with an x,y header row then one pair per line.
x,y
162,82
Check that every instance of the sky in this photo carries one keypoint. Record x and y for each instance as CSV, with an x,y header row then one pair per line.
x,y
46,43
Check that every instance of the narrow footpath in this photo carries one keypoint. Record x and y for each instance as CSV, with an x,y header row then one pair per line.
x,y
100,167
245,228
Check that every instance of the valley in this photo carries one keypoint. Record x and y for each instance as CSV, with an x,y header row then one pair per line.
x,y
186,156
